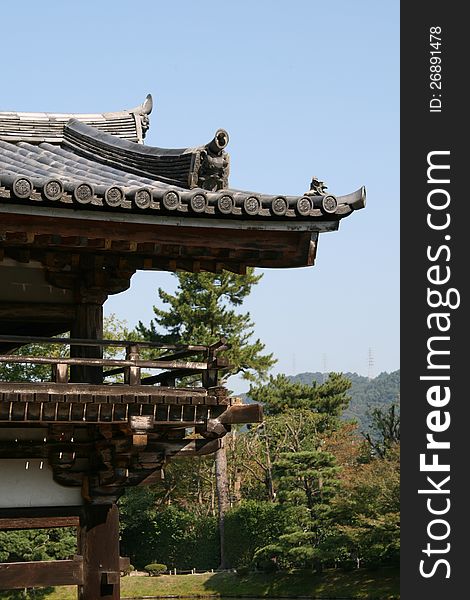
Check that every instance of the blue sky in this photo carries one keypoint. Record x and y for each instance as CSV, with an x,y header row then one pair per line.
x,y
303,87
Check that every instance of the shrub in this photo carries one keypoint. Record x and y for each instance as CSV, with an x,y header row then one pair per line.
x,y
178,537
127,570
155,569
250,526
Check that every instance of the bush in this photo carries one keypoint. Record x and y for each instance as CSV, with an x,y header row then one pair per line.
x,y
250,526
243,570
267,565
175,536
127,570
155,569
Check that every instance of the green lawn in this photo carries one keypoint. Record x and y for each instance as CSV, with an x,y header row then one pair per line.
x,y
382,584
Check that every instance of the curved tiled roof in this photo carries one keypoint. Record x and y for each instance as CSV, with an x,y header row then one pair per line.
x,y
130,124
88,167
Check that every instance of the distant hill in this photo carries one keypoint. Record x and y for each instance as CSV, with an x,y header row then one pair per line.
x,y
365,394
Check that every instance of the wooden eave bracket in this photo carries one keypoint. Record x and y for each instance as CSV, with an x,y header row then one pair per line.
x,y
140,425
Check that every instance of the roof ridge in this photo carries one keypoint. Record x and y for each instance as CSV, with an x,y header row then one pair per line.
x,y
36,127
205,166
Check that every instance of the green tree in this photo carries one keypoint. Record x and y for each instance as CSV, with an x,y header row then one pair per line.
x,y
249,526
304,474
40,544
297,413
366,514
202,311
385,430
280,395
169,534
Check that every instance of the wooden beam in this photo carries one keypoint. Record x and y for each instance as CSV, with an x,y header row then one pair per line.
x,y
115,392
99,362
180,350
38,522
242,413
31,512
184,448
59,313
60,457
162,229
41,574
281,244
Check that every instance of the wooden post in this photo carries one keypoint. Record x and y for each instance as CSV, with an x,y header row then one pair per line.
x,y
98,542
87,325
60,373
132,374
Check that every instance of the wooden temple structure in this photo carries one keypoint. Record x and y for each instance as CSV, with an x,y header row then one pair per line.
x,y
84,204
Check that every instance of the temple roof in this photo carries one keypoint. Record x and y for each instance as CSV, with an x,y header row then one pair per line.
x,y
85,183
93,161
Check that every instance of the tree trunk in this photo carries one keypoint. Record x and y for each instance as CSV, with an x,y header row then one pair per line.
x,y
237,486
269,469
236,480
223,499
213,490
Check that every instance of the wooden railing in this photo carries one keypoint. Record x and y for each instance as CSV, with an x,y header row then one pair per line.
x,y
174,361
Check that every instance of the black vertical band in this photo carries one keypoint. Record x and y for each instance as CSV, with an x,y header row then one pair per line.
x,y
435,255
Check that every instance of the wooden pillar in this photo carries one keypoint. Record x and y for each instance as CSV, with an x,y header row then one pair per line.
x,y
87,325
98,543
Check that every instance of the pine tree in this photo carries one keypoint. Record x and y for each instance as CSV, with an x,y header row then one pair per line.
x,y
280,394
202,311
304,474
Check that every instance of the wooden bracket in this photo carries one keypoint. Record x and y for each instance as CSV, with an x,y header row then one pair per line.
x,y
140,426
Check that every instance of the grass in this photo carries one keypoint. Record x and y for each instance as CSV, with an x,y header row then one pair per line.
x,y
382,584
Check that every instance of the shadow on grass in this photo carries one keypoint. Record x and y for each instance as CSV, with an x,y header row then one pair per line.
x,y
381,584
29,594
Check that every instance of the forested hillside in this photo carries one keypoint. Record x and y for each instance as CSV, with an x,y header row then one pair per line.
x,y
382,391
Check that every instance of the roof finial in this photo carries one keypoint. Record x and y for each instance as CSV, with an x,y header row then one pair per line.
x,y
147,105
143,111
317,187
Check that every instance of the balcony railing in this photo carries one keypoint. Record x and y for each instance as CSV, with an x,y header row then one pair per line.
x,y
175,362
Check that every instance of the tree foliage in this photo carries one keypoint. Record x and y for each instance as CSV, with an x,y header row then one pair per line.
x,y
167,534
203,310
366,517
306,491
385,430
37,544
280,395
251,525
366,394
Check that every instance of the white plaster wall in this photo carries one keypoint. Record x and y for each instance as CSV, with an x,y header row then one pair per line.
x,y
30,483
